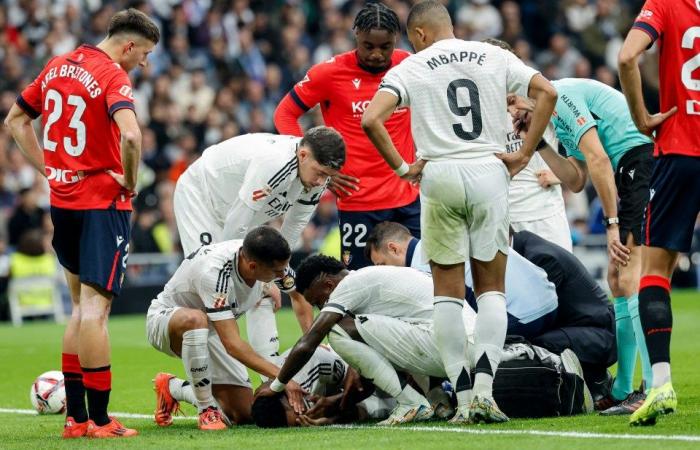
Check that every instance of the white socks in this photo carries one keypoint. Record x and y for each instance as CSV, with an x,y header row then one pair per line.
x,y
373,366
181,390
662,373
195,358
490,335
262,329
451,339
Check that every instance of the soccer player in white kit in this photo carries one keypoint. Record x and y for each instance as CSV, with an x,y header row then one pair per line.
x,y
535,201
194,318
388,312
247,181
456,91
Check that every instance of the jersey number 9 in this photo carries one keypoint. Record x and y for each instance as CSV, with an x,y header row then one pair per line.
x,y
474,107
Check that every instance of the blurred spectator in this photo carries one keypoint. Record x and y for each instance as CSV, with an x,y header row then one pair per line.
x,y
481,19
560,56
27,217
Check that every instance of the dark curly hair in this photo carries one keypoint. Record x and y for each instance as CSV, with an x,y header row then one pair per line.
x,y
268,412
312,267
377,16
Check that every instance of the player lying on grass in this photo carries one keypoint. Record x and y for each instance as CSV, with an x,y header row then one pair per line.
x,y
194,319
594,126
551,299
248,181
377,319
324,377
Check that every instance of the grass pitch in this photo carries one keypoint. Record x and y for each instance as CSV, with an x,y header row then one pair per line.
x,y
35,348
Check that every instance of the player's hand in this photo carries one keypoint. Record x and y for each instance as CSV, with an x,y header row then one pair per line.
x,y
342,185
295,395
306,421
323,406
547,179
273,292
119,178
652,122
618,253
415,171
352,383
520,109
515,162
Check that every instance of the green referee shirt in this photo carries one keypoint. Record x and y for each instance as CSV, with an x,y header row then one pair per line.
x,y
584,104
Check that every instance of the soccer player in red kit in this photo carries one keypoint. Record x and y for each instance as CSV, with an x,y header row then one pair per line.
x,y
344,86
90,152
674,189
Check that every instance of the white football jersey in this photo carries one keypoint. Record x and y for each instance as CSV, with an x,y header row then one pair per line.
x,y
208,280
529,293
323,374
400,292
527,200
248,180
456,91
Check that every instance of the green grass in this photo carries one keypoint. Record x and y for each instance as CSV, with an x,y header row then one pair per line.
x,y
28,351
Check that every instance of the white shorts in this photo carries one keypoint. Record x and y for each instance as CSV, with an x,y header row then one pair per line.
x,y
224,368
408,346
196,224
554,228
464,210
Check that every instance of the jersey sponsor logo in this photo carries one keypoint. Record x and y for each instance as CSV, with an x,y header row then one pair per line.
x,y
261,193
306,79
126,91
645,14
570,103
62,175
219,302
692,107
356,82
360,106
278,205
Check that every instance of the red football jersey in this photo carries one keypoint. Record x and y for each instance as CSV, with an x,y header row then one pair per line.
x,y
344,90
676,24
76,95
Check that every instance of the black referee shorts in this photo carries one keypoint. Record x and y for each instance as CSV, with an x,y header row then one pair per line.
x,y
632,179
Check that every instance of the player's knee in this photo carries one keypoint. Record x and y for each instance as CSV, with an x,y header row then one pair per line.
x,y
627,282
193,320
91,311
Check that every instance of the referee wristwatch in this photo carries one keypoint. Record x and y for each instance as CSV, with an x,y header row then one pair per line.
x,y
608,221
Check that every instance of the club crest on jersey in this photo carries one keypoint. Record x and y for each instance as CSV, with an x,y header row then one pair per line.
x,y
356,82
261,193
347,257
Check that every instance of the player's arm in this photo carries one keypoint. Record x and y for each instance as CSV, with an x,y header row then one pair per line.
x,y
304,349
125,119
287,115
377,113
241,350
570,171
603,180
303,310
20,125
638,41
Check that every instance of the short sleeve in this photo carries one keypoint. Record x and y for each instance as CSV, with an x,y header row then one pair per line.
x,y
119,94
30,98
518,74
394,83
313,88
573,119
347,298
651,19
213,289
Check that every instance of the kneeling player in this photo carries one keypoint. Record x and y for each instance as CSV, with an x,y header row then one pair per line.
x,y
194,318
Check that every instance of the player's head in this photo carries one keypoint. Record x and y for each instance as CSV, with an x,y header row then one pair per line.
x,y
321,155
376,29
273,412
265,254
317,277
133,36
428,22
499,43
387,244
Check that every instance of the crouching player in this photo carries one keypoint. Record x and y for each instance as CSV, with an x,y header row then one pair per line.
x,y
194,319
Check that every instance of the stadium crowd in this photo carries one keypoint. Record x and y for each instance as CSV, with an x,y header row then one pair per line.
x,y
222,67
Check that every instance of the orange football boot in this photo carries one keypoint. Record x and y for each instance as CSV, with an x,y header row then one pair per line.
x,y
73,429
114,429
166,405
211,419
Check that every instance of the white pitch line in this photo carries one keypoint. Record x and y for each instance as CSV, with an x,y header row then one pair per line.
x,y
565,434
31,412
569,434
